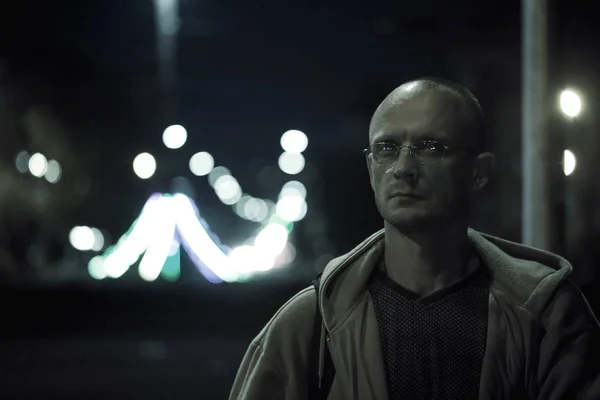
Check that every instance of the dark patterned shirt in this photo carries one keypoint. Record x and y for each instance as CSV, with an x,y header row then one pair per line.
x,y
432,346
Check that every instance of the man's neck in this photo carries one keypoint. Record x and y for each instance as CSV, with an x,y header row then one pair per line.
x,y
427,260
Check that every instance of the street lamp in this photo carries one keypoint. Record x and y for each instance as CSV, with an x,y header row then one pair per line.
x,y
569,162
570,103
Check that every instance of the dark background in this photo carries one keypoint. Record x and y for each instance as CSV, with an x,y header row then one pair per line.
x,y
80,82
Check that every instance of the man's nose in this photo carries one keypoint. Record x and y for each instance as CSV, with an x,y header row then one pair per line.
x,y
405,166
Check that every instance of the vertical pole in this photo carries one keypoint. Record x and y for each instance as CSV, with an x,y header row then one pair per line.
x,y
167,22
536,212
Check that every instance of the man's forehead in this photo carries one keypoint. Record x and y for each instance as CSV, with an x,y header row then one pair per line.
x,y
412,99
427,114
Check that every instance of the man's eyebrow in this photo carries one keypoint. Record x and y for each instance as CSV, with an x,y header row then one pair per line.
x,y
389,136
400,136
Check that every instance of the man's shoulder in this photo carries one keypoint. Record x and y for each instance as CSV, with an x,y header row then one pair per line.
x,y
569,305
292,323
528,277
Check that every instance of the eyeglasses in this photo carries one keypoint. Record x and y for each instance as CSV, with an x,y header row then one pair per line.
x,y
425,151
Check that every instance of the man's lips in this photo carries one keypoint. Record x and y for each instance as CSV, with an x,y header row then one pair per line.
x,y
406,194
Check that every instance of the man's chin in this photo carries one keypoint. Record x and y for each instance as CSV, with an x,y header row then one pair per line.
x,y
410,219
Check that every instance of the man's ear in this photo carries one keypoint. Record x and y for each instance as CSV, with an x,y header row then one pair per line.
x,y
482,171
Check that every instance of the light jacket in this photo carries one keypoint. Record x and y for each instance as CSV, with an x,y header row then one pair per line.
x,y
543,340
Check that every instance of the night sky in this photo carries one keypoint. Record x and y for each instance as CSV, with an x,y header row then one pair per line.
x,y
248,71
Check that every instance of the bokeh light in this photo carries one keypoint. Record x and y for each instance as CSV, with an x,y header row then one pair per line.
x,y
291,208
291,163
251,208
569,162
228,189
294,141
167,222
159,242
202,163
53,171
174,137
38,165
96,268
216,173
22,162
98,240
287,256
82,238
570,103
272,239
256,210
247,259
293,188
144,165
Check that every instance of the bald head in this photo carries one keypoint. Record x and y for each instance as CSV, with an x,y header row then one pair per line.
x,y
465,106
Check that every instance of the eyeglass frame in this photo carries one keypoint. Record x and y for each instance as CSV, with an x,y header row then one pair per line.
x,y
399,148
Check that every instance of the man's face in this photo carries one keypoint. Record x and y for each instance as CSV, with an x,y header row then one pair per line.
x,y
408,193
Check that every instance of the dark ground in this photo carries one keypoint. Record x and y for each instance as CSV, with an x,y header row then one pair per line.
x,y
168,342
158,343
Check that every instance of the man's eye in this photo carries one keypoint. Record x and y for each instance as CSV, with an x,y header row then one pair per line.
x,y
430,146
388,148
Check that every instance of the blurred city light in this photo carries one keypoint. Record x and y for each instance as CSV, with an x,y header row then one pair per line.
x,y
287,256
252,209
151,237
247,259
82,238
202,163
216,173
291,163
238,207
570,103
22,162
53,171
271,240
144,165
174,137
228,189
96,268
291,208
117,259
294,141
38,165
159,241
569,162
293,188
98,240
166,221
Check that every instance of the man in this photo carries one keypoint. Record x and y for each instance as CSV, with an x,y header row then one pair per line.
x,y
428,308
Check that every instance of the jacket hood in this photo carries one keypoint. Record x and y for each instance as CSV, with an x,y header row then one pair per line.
x,y
527,276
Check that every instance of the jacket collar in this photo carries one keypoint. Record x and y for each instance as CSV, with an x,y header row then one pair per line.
x,y
527,276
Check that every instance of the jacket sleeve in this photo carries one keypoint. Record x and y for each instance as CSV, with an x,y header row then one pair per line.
x,y
569,361
257,377
275,365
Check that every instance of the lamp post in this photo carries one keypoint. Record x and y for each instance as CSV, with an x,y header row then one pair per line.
x,y
571,105
536,196
167,22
